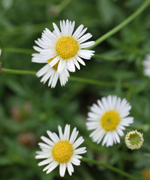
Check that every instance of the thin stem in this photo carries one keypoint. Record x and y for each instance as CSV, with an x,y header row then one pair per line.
x,y
121,25
111,168
117,58
77,79
14,71
63,5
100,83
18,50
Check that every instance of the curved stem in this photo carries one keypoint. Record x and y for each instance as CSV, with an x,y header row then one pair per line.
x,y
121,25
111,168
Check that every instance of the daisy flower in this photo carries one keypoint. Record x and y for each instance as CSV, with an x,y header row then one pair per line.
x,y
108,119
49,72
61,150
63,47
146,65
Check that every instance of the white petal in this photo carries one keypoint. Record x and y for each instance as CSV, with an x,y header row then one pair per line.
x,y
87,44
70,65
48,141
78,31
55,79
80,60
54,61
61,66
67,132
57,30
73,135
52,166
62,169
85,37
86,54
80,151
37,48
60,133
42,156
75,161
52,136
42,71
44,145
77,143
70,168
47,161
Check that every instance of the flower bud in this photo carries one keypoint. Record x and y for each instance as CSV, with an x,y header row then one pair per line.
x,y
134,140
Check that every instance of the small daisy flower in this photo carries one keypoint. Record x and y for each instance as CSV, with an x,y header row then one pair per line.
x,y
64,47
107,119
50,72
146,65
61,151
134,140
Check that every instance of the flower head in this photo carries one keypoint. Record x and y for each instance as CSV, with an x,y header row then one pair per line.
x,y
64,48
134,140
108,119
146,65
61,150
0,51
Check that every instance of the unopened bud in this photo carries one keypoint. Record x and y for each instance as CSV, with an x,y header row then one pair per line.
x,y
134,139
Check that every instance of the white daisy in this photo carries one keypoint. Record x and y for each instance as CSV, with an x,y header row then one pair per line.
x,y
61,151
64,47
108,119
50,72
146,65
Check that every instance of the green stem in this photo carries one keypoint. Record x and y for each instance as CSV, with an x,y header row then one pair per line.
x,y
111,168
100,83
18,50
121,25
117,58
63,5
77,79
14,71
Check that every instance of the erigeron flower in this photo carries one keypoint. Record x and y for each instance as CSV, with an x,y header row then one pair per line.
x,y
108,119
61,150
146,65
134,140
50,72
64,48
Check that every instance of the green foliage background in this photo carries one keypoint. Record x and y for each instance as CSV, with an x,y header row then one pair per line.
x,y
28,108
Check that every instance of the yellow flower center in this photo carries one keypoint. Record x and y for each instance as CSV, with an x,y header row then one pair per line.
x,y
62,151
56,65
67,47
110,120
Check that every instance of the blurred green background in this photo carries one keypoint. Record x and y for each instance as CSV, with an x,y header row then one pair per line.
x,y
28,108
